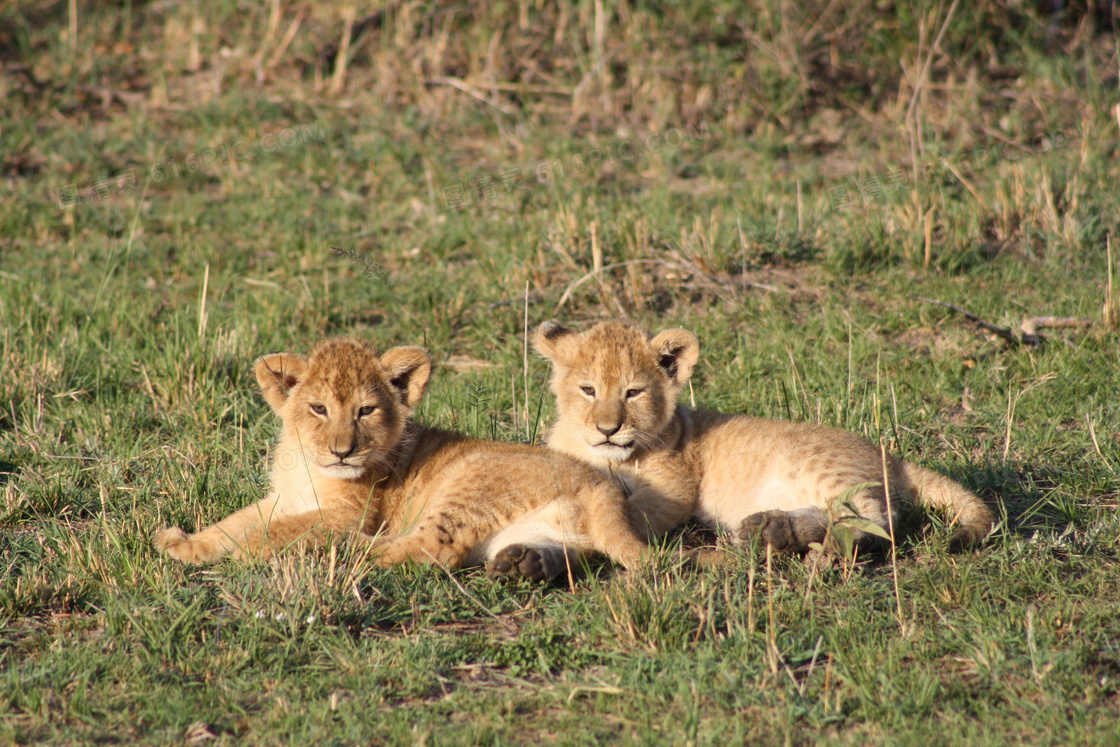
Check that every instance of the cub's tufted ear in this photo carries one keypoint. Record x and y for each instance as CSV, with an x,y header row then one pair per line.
x,y
408,369
551,340
676,351
277,373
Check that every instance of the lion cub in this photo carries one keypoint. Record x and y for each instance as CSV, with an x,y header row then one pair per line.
x,y
616,389
351,460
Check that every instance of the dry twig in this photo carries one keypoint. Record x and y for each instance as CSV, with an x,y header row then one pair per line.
x,y
1002,332
1028,330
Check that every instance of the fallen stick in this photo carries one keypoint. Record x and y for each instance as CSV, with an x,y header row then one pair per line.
x,y
1030,327
999,331
1028,330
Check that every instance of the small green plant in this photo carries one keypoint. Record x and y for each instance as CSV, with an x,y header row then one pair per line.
x,y
845,525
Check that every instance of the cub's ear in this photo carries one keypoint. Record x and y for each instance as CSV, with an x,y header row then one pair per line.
x,y
676,351
277,374
551,340
408,370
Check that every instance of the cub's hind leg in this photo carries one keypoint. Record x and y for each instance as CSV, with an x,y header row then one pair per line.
x,y
420,547
784,531
553,539
445,538
538,546
793,531
539,563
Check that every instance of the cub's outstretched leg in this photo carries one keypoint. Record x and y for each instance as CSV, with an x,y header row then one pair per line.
x,y
249,533
230,536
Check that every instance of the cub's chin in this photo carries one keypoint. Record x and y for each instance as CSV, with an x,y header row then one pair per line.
x,y
342,471
612,452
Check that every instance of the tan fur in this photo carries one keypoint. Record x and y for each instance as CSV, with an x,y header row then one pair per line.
x,y
360,466
617,388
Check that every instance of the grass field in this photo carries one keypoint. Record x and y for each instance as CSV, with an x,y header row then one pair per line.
x,y
780,178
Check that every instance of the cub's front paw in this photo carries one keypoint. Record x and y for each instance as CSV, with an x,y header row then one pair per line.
x,y
168,538
771,527
179,545
518,561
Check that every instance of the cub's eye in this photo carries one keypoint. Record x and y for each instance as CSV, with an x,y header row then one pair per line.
x,y
366,410
319,409
632,393
588,390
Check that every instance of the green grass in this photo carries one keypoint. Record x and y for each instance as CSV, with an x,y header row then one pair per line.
x,y
129,326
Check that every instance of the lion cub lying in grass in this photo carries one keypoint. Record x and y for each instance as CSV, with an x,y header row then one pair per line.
x,y
616,389
351,460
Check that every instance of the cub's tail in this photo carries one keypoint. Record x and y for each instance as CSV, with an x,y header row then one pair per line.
x,y
966,509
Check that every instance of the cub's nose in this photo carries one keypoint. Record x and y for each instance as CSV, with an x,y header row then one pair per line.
x,y
608,430
343,454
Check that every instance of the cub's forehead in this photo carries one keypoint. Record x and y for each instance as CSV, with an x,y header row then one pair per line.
x,y
343,367
614,353
344,382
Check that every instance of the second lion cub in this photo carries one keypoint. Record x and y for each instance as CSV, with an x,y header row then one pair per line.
x,y
616,388
352,461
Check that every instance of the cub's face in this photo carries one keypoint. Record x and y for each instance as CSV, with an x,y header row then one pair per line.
x,y
343,405
616,387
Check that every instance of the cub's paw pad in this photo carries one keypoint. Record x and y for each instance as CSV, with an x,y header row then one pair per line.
x,y
517,561
772,527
